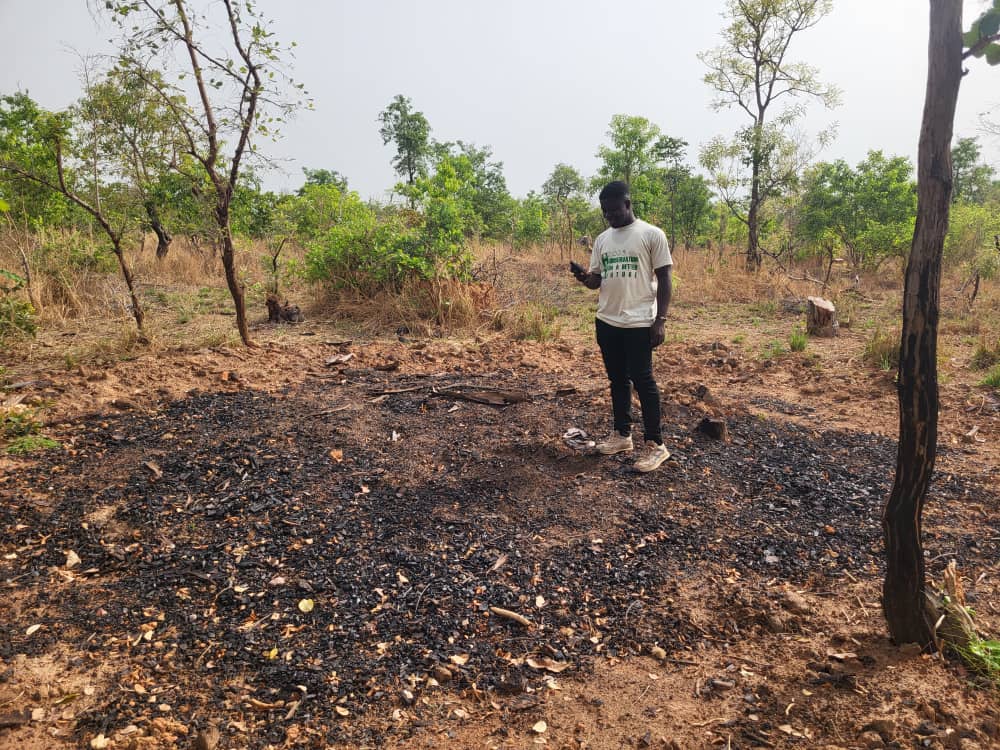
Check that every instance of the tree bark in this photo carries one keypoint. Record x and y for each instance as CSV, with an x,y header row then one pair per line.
x,y
753,242
903,597
163,238
232,281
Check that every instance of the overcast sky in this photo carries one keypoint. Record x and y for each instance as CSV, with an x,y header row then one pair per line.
x,y
537,80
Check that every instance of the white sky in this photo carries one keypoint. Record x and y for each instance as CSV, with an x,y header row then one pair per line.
x,y
538,80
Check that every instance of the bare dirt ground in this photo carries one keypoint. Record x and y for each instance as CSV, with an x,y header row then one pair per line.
x,y
307,545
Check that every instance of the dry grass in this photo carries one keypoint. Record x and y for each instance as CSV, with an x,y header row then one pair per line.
x,y
520,292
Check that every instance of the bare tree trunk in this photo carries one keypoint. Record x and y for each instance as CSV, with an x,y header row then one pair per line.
x,y
232,281
130,283
163,238
753,243
903,597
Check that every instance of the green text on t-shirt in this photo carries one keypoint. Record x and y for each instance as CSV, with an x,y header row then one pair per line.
x,y
622,266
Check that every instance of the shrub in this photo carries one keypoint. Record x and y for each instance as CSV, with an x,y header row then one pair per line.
x,y
18,421
17,316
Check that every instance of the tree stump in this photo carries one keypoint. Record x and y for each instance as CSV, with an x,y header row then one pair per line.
x,y
821,317
714,428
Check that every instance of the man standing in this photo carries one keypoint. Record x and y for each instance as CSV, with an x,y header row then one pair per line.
x,y
630,264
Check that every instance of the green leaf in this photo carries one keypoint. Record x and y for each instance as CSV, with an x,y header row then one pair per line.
x,y
989,23
993,54
4,206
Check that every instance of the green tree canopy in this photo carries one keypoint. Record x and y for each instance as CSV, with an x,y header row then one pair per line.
x,y
410,132
971,179
870,209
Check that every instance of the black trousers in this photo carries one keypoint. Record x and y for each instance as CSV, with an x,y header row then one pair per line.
x,y
628,359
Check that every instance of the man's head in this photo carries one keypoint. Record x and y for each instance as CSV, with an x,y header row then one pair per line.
x,y
616,204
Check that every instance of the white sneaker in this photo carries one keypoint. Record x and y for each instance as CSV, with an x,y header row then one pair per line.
x,y
615,443
655,456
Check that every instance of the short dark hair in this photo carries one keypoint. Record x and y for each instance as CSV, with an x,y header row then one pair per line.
x,y
615,191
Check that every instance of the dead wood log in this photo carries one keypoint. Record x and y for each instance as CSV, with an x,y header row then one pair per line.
x,y
821,317
490,397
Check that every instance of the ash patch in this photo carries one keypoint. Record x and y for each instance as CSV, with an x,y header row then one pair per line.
x,y
233,508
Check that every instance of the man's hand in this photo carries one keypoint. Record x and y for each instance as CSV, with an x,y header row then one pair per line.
x,y
656,333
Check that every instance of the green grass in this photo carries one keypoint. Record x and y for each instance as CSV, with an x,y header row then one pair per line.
x,y
31,444
798,340
739,338
993,378
985,356
773,349
983,656
764,308
882,349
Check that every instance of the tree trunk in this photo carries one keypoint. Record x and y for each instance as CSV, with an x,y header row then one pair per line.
x,y
903,597
753,246
229,264
163,238
129,282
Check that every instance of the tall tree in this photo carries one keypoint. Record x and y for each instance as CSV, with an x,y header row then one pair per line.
x,y
632,150
782,159
670,151
751,70
134,126
411,133
903,592
240,94
972,179
323,177
563,185
43,148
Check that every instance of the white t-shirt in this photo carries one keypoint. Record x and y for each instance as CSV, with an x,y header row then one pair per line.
x,y
626,258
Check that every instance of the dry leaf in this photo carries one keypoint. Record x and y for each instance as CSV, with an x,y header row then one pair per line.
x,y
341,711
460,713
100,742
306,605
32,629
544,662
499,563
539,601
460,659
787,729
72,559
540,727
337,455
154,468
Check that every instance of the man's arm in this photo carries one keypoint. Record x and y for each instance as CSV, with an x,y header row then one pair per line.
x,y
590,280
664,288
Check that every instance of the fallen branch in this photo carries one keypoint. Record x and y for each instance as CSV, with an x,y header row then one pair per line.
x,y
491,398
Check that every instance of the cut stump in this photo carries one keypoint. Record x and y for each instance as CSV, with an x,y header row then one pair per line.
x,y
714,428
821,317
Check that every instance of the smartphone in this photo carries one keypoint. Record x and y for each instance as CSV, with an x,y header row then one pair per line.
x,y
576,268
